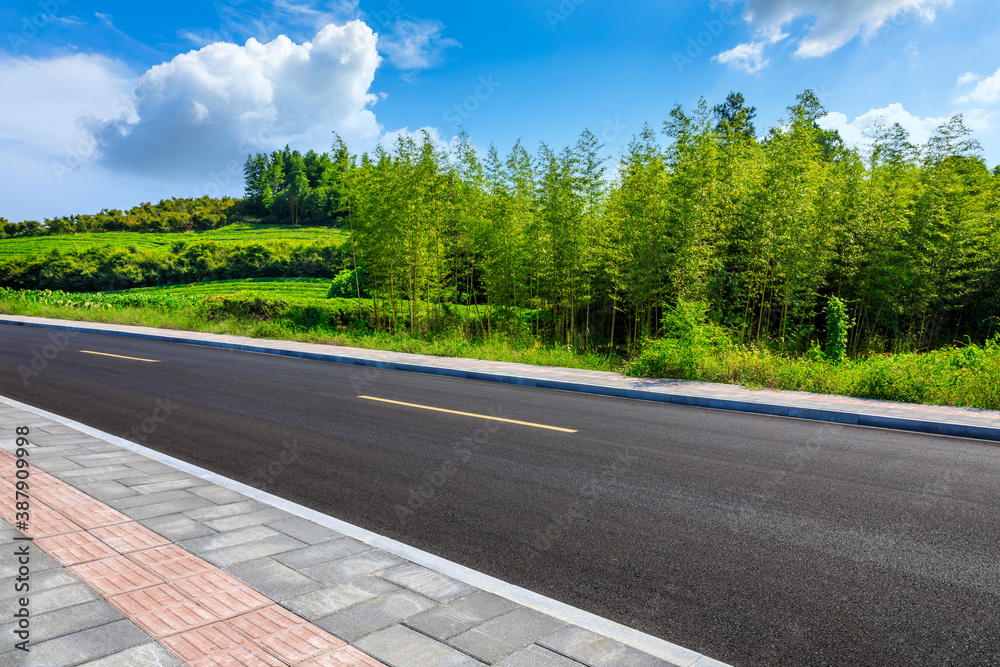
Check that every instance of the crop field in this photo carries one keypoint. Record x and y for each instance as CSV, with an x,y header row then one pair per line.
x,y
36,246
293,290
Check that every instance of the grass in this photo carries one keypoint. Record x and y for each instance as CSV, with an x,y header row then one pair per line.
x,y
37,246
295,309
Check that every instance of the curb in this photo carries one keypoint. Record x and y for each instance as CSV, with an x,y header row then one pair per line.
x,y
815,414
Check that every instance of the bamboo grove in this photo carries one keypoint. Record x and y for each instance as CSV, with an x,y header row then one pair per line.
x,y
564,247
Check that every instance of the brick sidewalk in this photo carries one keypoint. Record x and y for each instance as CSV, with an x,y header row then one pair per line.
x,y
136,562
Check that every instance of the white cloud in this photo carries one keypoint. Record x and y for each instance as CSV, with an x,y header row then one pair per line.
x,y
987,91
920,129
967,78
208,107
415,45
749,57
836,23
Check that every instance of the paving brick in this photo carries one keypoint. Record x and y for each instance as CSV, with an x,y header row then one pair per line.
x,y
273,579
231,538
214,511
128,537
64,496
140,499
169,562
218,494
343,569
447,620
58,597
345,657
238,521
147,655
80,647
172,485
427,582
323,552
221,594
46,523
285,635
115,575
162,611
304,530
41,580
68,620
505,635
106,491
177,527
93,515
74,548
165,508
367,617
403,647
593,649
332,599
535,656
219,644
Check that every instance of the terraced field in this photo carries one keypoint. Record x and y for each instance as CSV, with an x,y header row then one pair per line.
x,y
237,233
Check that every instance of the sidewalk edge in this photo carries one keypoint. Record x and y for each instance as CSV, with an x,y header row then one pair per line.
x,y
654,646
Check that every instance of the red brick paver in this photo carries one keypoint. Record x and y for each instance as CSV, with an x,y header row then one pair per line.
x,y
162,611
75,548
114,576
221,594
285,635
128,537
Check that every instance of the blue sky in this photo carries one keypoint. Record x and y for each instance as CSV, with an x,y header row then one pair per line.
x,y
107,104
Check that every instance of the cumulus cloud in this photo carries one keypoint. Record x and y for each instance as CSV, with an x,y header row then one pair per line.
x,y
415,44
834,24
209,107
920,129
987,91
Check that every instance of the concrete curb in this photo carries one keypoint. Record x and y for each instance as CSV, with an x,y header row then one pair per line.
x,y
836,416
654,646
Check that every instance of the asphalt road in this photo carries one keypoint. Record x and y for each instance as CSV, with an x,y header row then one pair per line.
x,y
756,540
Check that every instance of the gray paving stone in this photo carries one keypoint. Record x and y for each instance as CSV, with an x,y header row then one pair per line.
x,y
304,530
268,546
98,472
402,647
84,646
594,649
427,582
536,656
120,457
107,491
367,617
273,579
505,635
67,621
447,620
343,569
95,445
218,494
172,485
212,512
258,518
333,599
141,478
151,467
177,527
58,597
230,538
41,580
147,655
165,508
323,552
56,464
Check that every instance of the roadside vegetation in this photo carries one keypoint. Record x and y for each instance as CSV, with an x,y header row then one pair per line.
x,y
789,261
